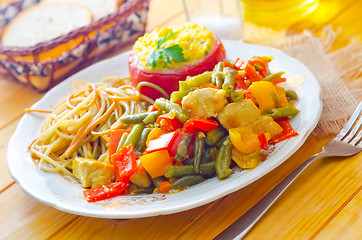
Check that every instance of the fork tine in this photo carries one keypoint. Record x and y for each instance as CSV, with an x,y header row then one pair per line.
x,y
351,121
353,134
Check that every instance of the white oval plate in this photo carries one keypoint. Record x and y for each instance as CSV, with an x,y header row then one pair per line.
x,y
54,190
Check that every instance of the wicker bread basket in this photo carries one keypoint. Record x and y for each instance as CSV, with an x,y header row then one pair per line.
x,y
48,63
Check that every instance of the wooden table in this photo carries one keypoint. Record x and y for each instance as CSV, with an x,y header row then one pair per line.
x,y
325,202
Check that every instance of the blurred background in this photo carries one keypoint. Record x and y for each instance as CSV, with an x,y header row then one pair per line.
x,y
268,20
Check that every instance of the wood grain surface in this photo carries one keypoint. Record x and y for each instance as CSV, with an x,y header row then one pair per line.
x,y
325,202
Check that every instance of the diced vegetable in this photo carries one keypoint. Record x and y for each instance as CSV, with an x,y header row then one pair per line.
x,y
183,147
114,138
163,142
198,150
185,170
168,122
168,106
187,181
245,161
282,112
264,92
223,159
288,132
124,162
195,124
244,139
165,187
134,135
112,190
263,141
156,163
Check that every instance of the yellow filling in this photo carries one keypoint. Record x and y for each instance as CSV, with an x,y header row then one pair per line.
x,y
196,42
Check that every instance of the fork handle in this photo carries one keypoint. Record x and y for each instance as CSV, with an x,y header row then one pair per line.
x,y
242,226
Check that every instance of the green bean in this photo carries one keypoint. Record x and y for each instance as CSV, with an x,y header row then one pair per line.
x,y
281,112
276,98
229,79
258,67
177,96
140,117
223,159
189,161
213,136
217,77
157,180
209,155
198,150
168,106
141,143
187,181
183,146
237,95
185,170
134,135
122,140
152,117
195,81
291,94
273,76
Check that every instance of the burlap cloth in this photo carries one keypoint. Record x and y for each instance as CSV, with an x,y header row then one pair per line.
x,y
339,73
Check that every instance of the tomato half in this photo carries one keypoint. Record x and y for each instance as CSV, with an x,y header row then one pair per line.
x,y
168,78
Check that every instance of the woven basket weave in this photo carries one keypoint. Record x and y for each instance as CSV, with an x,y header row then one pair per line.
x,y
44,65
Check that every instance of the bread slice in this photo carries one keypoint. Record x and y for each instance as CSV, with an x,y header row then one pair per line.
x,y
44,22
99,8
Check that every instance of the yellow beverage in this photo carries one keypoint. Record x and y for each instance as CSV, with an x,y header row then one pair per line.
x,y
278,13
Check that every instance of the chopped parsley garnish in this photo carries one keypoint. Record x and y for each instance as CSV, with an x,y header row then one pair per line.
x,y
173,53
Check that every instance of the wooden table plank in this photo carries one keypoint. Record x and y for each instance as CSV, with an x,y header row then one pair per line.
x,y
347,224
5,133
313,200
14,98
22,217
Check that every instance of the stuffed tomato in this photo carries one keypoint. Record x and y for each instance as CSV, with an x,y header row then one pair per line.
x,y
168,55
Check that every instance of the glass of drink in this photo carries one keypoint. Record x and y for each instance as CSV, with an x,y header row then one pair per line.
x,y
223,17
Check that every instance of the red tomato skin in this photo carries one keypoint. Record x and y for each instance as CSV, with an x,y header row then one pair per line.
x,y
169,80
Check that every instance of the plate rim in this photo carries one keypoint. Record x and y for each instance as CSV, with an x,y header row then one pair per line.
x,y
210,198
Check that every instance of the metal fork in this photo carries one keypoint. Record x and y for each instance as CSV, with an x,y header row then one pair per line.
x,y
346,143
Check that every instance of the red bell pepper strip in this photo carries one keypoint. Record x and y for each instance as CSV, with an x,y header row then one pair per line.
x,y
163,142
169,123
263,141
112,190
124,163
114,138
262,71
251,73
239,64
241,83
278,80
194,125
288,132
173,148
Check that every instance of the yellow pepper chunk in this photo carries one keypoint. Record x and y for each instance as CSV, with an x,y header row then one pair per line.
x,y
246,161
155,133
266,124
156,163
283,101
265,94
244,140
